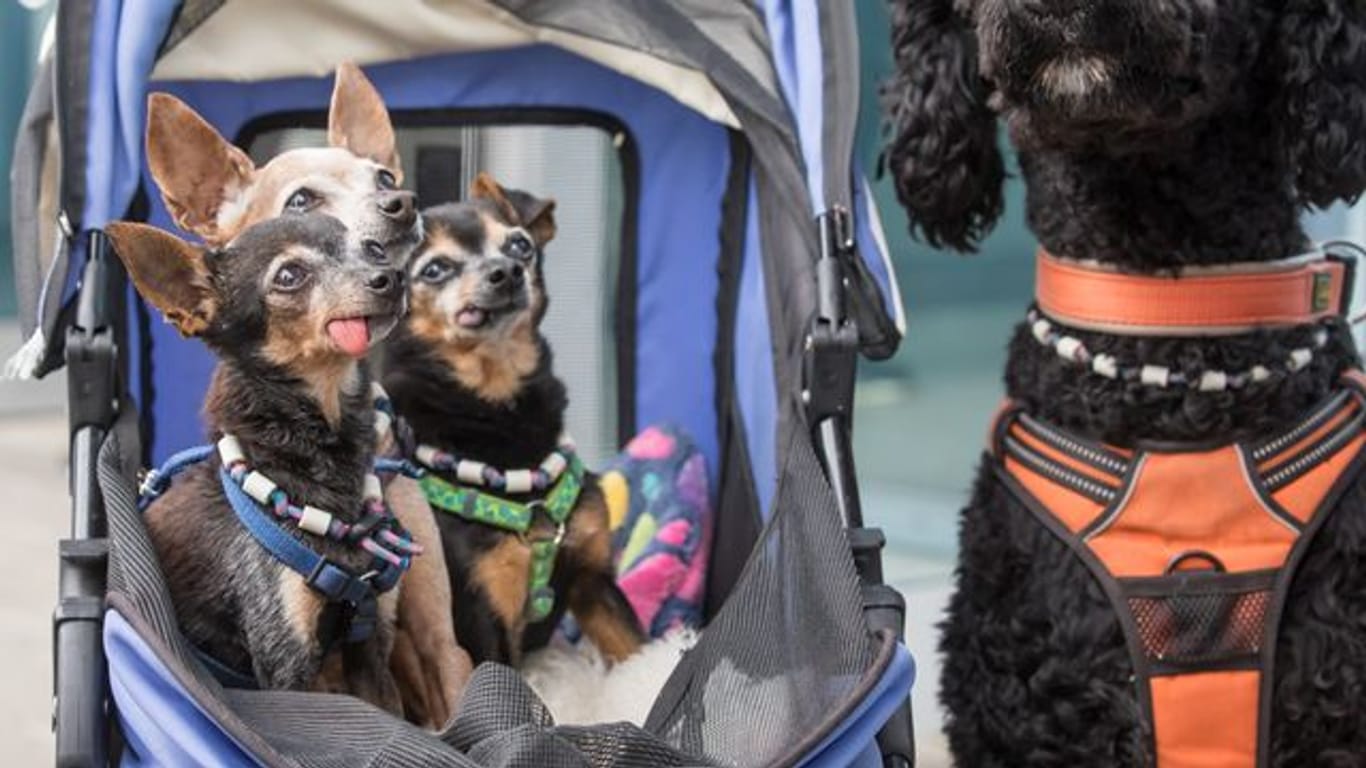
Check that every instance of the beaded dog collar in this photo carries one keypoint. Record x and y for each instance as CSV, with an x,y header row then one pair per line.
x,y
1073,350
377,531
508,481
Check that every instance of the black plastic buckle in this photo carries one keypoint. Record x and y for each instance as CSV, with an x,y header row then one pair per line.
x,y
91,349
831,354
351,610
342,586
1349,255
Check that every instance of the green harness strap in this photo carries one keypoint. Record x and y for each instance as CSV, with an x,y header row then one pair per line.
x,y
485,508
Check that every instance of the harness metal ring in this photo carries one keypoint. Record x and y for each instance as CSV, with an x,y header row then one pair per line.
x,y
1194,554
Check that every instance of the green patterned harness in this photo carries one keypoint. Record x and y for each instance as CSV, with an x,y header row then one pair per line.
x,y
487,509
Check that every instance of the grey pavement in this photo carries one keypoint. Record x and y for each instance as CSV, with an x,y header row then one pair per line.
x,y
33,487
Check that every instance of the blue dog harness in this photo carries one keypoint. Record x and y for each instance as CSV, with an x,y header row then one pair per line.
x,y
351,610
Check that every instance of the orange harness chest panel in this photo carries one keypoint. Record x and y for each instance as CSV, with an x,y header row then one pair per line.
x,y
1195,549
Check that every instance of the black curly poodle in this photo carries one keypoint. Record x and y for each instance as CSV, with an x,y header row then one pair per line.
x,y
1152,135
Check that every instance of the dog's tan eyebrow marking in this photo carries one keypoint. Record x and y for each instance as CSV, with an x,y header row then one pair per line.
x,y
439,245
430,256
496,233
300,252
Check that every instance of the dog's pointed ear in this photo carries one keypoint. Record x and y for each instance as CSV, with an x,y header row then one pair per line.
x,y
197,170
358,120
1320,62
535,214
171,274
943,152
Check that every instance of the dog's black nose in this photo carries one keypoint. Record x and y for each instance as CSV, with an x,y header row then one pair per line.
x,y
508,277
385,283
400,206
374,252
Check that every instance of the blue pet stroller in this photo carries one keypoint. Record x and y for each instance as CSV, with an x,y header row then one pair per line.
x,y
738,268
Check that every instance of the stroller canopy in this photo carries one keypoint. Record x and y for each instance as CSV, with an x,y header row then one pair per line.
x,y
742,119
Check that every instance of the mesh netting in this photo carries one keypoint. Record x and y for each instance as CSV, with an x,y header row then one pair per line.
x,y
787,657
788,647
1202,629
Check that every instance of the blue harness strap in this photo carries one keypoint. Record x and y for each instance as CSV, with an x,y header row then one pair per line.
x,y
158,480
335,582
351,613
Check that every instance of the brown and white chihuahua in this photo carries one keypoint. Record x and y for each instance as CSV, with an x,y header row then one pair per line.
x,y
472,375
212,189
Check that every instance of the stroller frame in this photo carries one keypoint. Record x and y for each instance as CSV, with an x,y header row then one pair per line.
x,y
849,318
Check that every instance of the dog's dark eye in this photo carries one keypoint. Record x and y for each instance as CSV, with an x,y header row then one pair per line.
x,y
519,246
290,277
385,179
437,270
301,201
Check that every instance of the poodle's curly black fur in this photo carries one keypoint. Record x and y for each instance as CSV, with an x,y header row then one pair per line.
x,y
1151,136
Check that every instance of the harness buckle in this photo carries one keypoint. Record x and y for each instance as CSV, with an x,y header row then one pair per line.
x,y
561,528
1351,256
149,483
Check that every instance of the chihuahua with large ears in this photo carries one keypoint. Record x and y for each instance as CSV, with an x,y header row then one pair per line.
x,y
291,308
524,528
212,189
1158,141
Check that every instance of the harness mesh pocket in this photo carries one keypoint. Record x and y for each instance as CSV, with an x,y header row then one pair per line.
x,y
1201,620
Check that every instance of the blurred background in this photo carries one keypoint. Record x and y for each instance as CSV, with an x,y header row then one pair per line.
x,y
919,425
32,455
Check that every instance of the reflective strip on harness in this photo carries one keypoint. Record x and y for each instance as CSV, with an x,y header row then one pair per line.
x,y
1192,548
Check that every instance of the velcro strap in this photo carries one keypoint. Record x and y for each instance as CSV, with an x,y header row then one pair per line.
x,y
1207,303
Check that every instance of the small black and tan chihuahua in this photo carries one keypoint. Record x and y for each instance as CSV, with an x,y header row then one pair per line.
x,y
524,528
290,307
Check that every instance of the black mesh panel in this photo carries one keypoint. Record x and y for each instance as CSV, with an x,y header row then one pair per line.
x,y
790,645
1203,621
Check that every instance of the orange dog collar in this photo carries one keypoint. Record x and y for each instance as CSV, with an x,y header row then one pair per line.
x,y
1214,301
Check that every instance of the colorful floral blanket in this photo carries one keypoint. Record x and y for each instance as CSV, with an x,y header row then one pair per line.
x,y
660,505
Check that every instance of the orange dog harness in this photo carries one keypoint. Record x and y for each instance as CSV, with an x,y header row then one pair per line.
x,y
1195,549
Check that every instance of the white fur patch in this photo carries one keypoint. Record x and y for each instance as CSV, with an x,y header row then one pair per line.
x,y
579,688
1074,76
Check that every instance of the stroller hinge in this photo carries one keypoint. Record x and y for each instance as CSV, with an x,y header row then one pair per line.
x,y
91,349
830,363
80,690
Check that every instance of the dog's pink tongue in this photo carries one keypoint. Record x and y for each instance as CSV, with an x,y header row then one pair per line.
x,y
352,334
471,317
